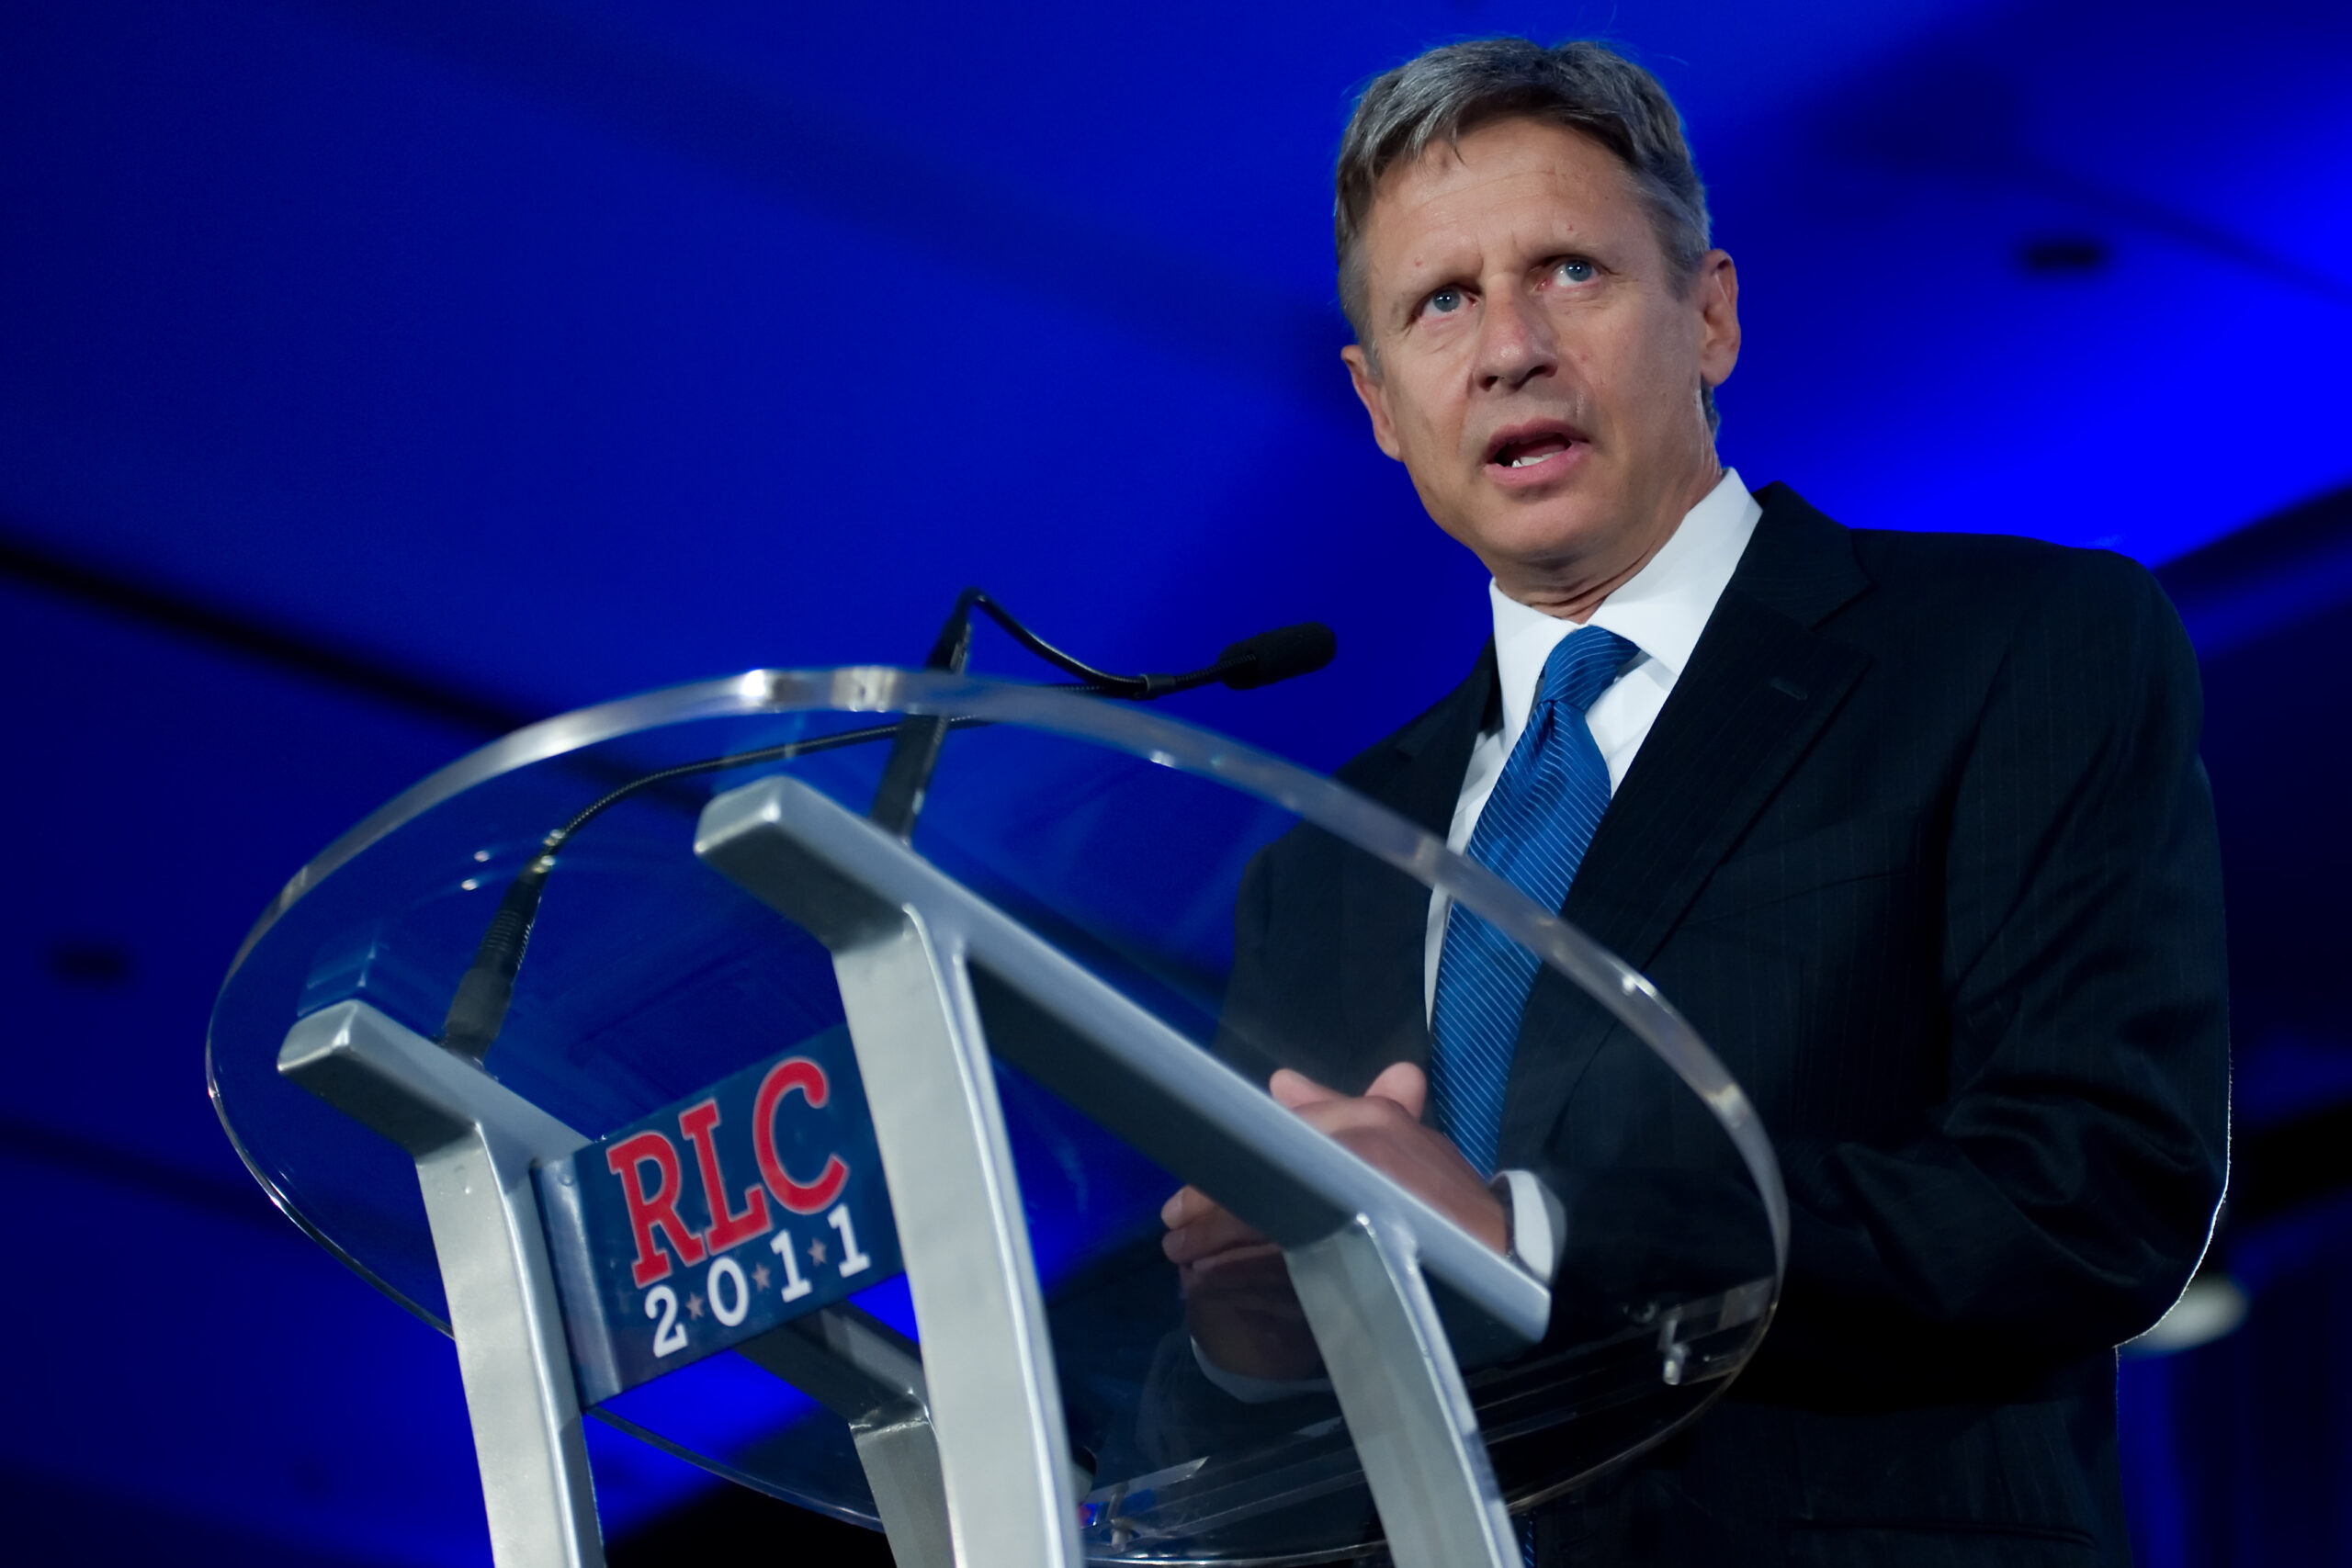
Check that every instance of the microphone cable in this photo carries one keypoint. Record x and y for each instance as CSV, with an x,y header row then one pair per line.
x,y
1254,661
479,1010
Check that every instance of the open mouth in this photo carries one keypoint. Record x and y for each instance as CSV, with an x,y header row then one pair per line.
x,y
1527,454
1529,447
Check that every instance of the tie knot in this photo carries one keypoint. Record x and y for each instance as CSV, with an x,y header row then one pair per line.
x,y
1582,666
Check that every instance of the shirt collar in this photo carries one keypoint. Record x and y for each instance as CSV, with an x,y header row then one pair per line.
x,y
1661,609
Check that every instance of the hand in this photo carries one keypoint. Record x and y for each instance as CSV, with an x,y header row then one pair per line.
x,y
1384,1128
1237,1295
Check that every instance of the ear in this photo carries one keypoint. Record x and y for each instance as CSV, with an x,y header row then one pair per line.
x,y
1374,398
1717,288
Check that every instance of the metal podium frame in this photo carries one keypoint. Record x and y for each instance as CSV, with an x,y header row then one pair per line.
x,y
963,1442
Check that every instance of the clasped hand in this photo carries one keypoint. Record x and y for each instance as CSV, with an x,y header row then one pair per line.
x,y
1238,1297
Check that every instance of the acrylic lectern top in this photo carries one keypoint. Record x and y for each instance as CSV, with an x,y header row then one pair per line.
x,y
725,1183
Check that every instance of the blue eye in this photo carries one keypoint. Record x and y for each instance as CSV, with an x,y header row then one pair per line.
x,y
1573,271
1445,301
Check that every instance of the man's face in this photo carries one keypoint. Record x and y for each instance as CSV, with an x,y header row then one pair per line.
x,y
1538,367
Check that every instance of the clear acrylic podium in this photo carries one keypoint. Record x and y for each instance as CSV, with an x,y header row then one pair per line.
x,y
832,1161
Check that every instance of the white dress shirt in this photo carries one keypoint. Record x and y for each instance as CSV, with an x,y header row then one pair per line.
x,y
1661,610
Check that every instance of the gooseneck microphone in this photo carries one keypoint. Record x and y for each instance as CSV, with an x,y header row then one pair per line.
x,y
479,1010
1255,661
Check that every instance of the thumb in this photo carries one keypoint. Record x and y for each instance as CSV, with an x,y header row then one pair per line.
x,y
1405,1084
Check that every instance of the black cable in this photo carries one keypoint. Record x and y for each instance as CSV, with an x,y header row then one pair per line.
x,y
1134,687
479,1010
1234,661
782,753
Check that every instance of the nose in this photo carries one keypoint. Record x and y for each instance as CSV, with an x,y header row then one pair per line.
x,y
1515,342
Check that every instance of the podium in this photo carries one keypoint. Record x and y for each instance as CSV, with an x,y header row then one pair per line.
x,y
831,1159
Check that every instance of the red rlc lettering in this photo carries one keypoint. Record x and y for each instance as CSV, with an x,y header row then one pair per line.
x,y
800,1197
727,1229
650,1212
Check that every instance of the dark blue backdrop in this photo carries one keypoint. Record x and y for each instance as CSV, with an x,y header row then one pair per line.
x,y
373,372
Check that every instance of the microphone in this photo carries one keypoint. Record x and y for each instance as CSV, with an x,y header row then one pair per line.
x,y
1254,661
1245,666
1259,661
479,1008
1276,656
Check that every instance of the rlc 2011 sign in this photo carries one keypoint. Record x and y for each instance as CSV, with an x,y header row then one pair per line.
x,y
653,1228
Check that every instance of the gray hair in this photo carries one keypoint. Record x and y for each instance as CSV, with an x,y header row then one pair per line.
x,y
1453,90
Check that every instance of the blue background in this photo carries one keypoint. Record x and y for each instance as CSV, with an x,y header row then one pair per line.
x,y
377,373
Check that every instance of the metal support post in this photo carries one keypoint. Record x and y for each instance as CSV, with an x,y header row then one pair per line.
x,y
995,1406
1407,1413
475,1141
871,1376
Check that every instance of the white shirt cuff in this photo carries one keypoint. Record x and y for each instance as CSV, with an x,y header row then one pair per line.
x,y
1255,1391
1538,1223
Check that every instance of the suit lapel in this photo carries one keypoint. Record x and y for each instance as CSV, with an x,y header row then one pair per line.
x,y
1384,913
1760,685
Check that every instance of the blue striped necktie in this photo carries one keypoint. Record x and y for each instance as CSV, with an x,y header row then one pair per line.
x,y
1532,833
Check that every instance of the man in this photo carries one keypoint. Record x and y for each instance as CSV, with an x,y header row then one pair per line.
x,y
1912,828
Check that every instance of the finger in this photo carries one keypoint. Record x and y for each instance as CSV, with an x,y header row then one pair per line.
x,y
1190,1207
1207,1237
1204,1226
1341,1117
1405,1084
1294,1090
1259,1259
1184,1206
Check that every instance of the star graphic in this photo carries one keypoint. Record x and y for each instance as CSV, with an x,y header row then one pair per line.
x,y
816,1252
694,1306
759,1276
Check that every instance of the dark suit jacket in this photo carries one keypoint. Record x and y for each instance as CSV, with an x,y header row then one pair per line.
x,y
1921,845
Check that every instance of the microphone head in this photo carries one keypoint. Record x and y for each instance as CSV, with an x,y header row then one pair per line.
x,y
1278,655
